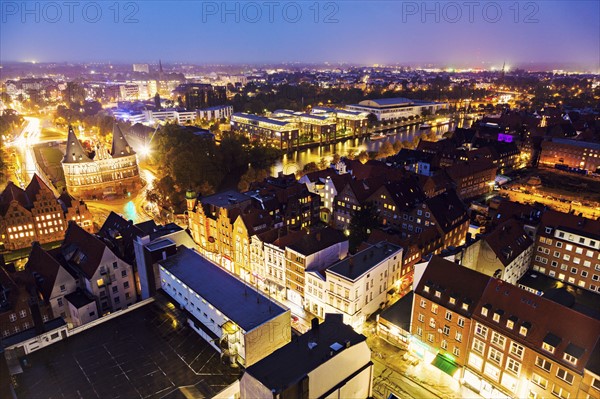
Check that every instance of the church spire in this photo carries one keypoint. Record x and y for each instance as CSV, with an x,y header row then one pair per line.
x,y
75,152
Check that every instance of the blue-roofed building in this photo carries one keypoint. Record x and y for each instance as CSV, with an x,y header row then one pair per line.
x,y
236,319
394,108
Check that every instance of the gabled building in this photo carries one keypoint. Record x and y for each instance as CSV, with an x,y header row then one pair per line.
x,y
53,280
444,301
99,271
330,361
505,253
35,214
100,173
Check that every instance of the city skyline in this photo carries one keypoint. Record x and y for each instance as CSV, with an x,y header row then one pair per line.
x,y
521,34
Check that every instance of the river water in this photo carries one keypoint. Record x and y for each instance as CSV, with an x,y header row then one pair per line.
x,y
294,161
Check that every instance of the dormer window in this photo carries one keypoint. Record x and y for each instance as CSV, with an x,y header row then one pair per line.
x,y
438,294
550,342
524,328
452,300
547,347
484,311
465,306
569,358
573,353
497,315
426,288
510,324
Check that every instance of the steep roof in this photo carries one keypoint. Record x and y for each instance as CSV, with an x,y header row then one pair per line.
x,y
82,250
508,241
12,192
448,210
44,269
35,186
120,146
466,286
576,333
75,152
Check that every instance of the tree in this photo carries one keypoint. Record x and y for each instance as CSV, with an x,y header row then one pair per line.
x,y
323,163
386,150
362,223
363,156
398,145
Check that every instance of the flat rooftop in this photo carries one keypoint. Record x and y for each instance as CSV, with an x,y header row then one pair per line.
x,y
354,266
290,363
225,199
147,353
237,300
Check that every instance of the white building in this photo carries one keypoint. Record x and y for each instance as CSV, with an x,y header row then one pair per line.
x,y
215,113
141,68
356,286
237,320
505,253
326,183
329,361
180,116
394,108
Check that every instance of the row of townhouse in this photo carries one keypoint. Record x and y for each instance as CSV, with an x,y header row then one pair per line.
x,y
500,340
78,282
224,224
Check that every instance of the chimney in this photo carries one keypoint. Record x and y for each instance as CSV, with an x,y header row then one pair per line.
x,y
314,325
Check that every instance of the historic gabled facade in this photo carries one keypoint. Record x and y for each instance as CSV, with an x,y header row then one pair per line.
x,y
35,214
103,173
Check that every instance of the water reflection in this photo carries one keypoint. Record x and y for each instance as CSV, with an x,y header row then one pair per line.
x,y
294,161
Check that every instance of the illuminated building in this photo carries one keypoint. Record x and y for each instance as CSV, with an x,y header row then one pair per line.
x,y
237,320
394,108
215,113
35,214
355,286
329,361
500,340
571,153
268,131
103,173
567,248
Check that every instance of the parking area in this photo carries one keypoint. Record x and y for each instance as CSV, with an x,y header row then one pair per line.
x,y
147,353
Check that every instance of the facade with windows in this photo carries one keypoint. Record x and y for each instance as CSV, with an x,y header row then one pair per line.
x,y
513,345
567,248
442,309
356,286
35,214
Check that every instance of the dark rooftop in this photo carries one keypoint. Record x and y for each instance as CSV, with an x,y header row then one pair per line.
x,y
79,298
400,312
149,352
316,240
234,298
585,301
354,266
225,199
289,364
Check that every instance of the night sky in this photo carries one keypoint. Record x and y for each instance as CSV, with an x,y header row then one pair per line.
x,y
486,34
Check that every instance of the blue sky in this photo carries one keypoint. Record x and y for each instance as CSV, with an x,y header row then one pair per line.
x,y
366,32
